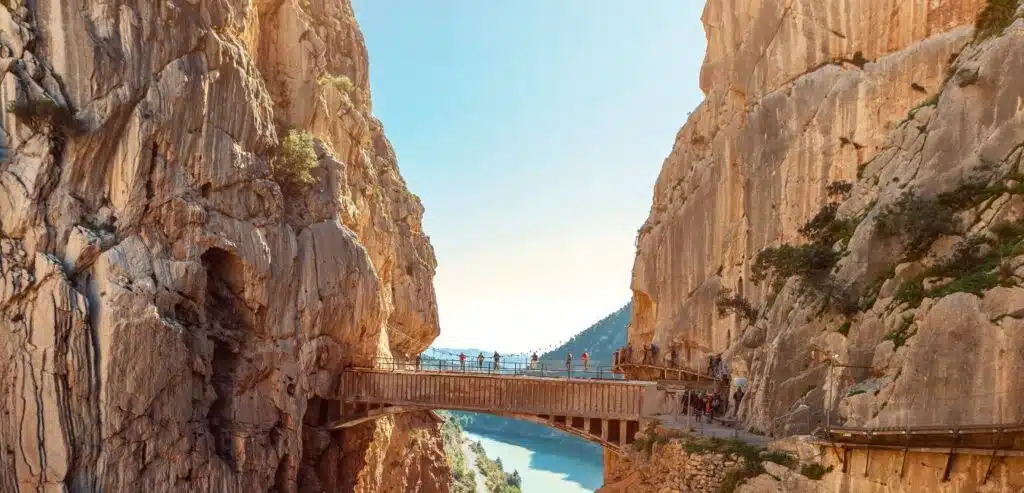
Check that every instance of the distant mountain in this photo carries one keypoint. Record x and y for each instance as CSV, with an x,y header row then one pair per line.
x,y
453,354
600,340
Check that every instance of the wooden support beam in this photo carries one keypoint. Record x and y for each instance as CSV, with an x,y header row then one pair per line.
x,y
992,459
867,461
952,455
846,460
903,465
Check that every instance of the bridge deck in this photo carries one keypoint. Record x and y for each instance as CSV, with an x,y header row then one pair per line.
x,y
586,398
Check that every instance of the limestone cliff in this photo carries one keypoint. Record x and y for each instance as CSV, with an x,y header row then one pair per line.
x,y
907,119
174,311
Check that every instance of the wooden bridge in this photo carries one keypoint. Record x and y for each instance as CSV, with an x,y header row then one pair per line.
x,y
609,412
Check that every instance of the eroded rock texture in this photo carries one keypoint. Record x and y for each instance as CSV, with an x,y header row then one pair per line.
x,y
891,97
172,318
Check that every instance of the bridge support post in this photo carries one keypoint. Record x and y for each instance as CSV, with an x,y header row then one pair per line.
x,y
952,455
992,458
906,449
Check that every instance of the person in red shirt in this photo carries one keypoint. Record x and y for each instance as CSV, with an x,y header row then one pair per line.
x,y
462,361
586,360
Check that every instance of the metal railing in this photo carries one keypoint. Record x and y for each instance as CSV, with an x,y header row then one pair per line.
x,y
661,361
473,366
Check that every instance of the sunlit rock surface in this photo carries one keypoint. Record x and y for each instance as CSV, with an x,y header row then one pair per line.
x,y
890,96
171,319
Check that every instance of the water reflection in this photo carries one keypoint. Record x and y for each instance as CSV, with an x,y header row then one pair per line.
x,y
546,466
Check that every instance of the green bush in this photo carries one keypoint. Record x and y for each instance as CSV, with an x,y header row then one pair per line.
x,y
811,262
295,160
815,471
971,272
900,335
780,458
826,230
917,221
839,189
845,328
727,303
41,115
339,82
994,18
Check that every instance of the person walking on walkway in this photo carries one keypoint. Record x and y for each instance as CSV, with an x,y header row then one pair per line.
x,y
533,361
708,403
629,353
568,364
497,361
673,356
586,361
738,397
419,361
654,354
480,361
647,352
462,362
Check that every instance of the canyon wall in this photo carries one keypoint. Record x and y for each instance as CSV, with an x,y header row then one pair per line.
x,y
177,298
898,113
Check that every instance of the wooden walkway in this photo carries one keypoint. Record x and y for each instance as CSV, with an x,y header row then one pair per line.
x,y
993,441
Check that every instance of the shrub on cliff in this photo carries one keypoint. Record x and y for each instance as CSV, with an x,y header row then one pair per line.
x,y
810,262
727,303
825,232
339,82
295,160
815,471
994,18
917,221
826,229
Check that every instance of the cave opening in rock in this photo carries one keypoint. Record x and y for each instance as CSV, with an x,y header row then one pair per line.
x,y
226,328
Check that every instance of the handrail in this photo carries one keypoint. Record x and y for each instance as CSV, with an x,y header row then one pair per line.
x,y
472,366
640,359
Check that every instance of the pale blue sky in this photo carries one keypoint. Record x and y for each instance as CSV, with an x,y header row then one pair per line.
x,y
533,130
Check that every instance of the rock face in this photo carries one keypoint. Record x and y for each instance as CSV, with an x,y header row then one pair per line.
x,y
802,94
173,313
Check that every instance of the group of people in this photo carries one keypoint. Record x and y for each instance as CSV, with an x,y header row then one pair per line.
x,y
648,355
707,405
534,359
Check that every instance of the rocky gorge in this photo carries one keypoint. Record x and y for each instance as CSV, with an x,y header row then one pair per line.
x,y
200,223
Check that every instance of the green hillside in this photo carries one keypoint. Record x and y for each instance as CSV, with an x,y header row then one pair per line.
x,y
600,340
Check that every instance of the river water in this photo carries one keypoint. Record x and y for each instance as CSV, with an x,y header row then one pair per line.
x,y
543,467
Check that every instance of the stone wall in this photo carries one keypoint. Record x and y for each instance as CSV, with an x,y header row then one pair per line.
x,y
667,468
172,318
